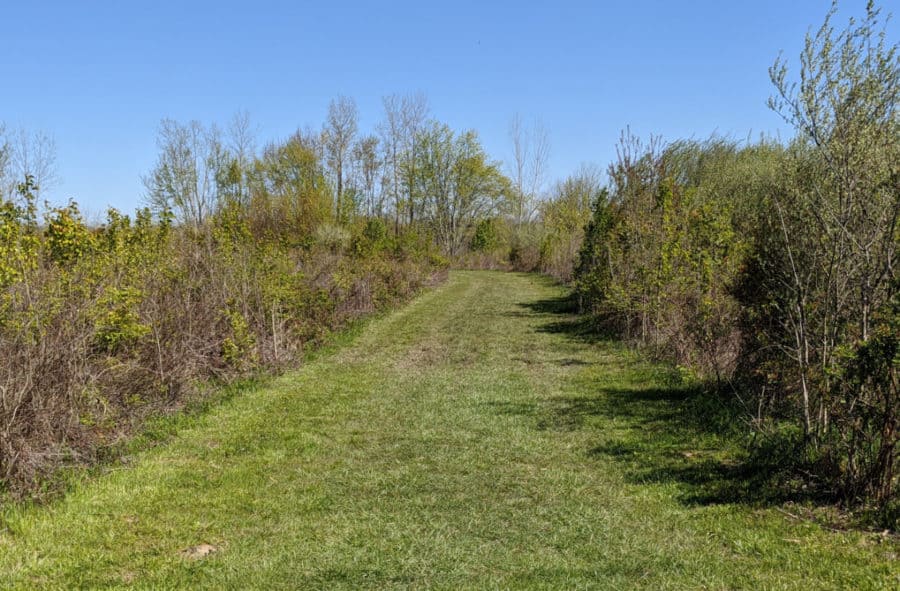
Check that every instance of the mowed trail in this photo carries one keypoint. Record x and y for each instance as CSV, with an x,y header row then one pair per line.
x,y
473,439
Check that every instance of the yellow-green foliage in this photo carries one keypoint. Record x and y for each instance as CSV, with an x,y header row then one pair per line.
x,y
289,194
19,241
131,252
487,235
238,347
563,220
231,226
140,309
118,324
372,239
67,237
665,247
778,261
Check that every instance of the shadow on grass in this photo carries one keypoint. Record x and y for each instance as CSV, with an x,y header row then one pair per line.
x,y
683,435
560,305
694,436
566,320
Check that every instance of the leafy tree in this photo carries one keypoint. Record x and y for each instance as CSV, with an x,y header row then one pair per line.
x,y
19,242
68,238
486,237
564,217
457,183
290,195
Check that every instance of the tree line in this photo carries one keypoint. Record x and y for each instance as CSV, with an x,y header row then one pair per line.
x,y
240,262
412,172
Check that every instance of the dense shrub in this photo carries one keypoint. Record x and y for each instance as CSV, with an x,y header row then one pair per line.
x,y
774,267
664,247
100,327
563,218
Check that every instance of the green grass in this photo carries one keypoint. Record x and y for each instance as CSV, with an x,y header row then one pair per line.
x,y
473,439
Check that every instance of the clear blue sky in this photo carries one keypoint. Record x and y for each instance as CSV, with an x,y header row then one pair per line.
x,y
98,76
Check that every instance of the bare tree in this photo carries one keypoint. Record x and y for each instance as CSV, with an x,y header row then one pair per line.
x,y
531,153
241,144
368,161
6,179
34,154
338,135
415,117
405,117
391,137
186,178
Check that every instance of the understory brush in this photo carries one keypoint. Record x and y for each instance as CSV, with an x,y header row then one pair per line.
x,y
102,327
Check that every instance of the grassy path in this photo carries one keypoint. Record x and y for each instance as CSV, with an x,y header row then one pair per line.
x,y
469,440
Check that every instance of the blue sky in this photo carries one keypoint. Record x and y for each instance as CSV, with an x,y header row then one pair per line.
x,y
99,76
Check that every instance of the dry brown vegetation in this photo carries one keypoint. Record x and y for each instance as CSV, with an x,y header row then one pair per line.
x,y
101,327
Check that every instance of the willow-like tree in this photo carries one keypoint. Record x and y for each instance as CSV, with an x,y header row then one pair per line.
x,y
834,267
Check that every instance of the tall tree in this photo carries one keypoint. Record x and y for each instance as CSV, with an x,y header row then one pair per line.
x,y
32,154
531,153
188,172
338,135
289,191
391,133
368,162
7,186
405,117
241,144
457,182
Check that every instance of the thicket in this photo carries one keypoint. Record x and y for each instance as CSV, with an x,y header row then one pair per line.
x,y
102,325
772,268
241,259
548,242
